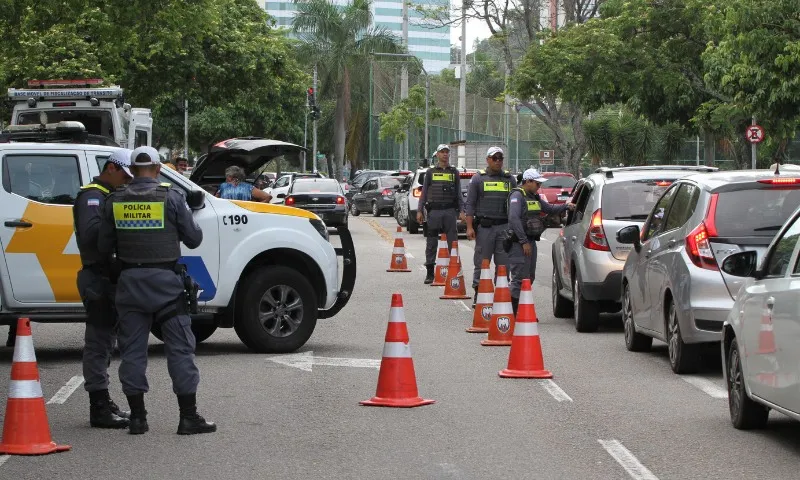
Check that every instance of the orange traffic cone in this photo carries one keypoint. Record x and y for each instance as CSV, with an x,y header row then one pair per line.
x,y
525,358
397,382
483,303
766,337
454,288
442,260
398,262
501,326
25,429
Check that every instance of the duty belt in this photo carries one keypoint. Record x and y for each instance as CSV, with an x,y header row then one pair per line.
x,y
163,265
492,221
441,206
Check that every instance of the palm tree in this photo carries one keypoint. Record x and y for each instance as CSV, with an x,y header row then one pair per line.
x,y
338,40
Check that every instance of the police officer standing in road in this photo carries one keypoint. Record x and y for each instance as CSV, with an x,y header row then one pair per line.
x,y
443,204
95,285
525,207
145,223
487,216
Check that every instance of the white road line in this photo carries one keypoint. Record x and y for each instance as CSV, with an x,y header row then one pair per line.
x,y
463,305
64,392
627,460
707,386
555,391
408,255
4,458
422,267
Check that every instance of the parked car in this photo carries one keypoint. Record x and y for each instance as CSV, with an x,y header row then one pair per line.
x,y
322,196
587,257
759,347
280,188
556,190
672,286
358,181
400,214
376,196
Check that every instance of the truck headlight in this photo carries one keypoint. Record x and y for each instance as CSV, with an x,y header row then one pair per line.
x,y
319,225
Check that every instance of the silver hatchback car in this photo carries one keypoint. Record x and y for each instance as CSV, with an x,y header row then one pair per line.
x,y
587,258
672,286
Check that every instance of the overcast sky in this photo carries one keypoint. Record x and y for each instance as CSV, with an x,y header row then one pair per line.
x,y
476,29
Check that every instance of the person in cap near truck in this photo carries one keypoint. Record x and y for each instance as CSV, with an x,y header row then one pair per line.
x,y
96,288
525,206
487,215
443,204
145,223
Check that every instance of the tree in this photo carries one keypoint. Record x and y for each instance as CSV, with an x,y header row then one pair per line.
x,y
407,115
339,39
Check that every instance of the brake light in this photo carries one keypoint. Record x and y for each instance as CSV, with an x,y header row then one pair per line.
x,y
466,175
596,236
289,201
64,104
663,183
780,181
698,244
339,200
417,192
386,192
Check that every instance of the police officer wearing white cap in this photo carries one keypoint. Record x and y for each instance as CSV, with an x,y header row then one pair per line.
x,y
443,203
525,207
95,286
144,224
487,215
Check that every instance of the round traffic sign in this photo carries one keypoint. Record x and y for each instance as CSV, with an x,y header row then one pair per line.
x,y
754,134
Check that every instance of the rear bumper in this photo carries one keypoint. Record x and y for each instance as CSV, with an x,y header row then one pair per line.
x,y
607,290
386,203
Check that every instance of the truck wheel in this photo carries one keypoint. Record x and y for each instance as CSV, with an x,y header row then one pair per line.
x,y
278,310
201,331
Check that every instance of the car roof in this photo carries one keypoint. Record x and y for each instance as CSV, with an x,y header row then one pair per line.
x,y
57,146
717,180
557,174
628,174
314,179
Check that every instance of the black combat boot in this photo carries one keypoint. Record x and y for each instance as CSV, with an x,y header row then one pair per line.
x,y
191,422
101,413
138,418
515,305
429,276
475,298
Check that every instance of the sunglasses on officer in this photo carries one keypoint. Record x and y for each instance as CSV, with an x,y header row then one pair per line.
x,y
497,157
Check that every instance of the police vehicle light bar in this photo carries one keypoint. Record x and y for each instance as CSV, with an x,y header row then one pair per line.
x,y
77,93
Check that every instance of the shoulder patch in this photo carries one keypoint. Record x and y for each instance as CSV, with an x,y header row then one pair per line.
x,y
482,172
93,202
165,184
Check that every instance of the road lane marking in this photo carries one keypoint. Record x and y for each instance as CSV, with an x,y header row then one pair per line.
x,y
555,391
64,392
306,360
706,385
4,459
463,305
627,460
422,267
408,255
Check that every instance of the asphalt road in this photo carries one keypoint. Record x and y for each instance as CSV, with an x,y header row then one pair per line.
x,y
608,414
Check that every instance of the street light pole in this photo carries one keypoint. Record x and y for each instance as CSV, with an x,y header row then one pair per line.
x,y
404,84
186,129
462,93
314,127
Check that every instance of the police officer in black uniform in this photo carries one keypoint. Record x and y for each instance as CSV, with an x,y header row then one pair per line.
x,y
443,204
96,290
487,216
525,207
145,223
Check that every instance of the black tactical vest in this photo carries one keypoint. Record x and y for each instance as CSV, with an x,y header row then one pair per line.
x,y
89,253
531,214
493,195
146,233
443,188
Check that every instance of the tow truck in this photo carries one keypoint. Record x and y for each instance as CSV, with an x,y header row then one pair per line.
x,y
101,109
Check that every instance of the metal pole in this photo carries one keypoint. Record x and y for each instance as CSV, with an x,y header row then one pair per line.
x,y
186,128
371,87
698,151
314,127
753,148
305,136
404,84
427,96
462,93
516,160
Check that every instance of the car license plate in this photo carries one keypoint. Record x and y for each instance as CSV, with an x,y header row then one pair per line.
x,y
563,198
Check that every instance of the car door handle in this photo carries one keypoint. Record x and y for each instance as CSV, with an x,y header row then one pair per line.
x,y
671,244
18,224
647,253
770,303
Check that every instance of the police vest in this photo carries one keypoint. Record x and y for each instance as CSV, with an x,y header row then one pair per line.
x,y
493,195
89,253
531,214
145,231
442,188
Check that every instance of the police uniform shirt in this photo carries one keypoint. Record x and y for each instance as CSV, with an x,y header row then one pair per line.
x,y
88,212
474,190
423,199
518,209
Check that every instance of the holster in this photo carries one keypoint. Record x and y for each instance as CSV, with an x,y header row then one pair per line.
x,y
190,287
98,295
509,237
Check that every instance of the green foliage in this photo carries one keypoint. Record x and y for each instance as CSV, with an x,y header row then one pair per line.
x,y
631,140
408,114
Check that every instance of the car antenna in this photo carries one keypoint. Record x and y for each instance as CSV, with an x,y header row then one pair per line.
x,y
777,167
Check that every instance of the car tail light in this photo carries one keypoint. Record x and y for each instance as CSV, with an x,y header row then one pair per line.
x,y
289,201
466,175
663,183
417,192
596,236
340,200
698,244
781,181
386,192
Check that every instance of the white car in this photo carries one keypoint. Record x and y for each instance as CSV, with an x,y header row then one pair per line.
x,y
281,187
761,337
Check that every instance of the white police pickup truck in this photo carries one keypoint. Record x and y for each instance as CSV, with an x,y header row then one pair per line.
x,y
268,271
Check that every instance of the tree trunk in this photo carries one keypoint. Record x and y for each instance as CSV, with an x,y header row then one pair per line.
x,y
709,149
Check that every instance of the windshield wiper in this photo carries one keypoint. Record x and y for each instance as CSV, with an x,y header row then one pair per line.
x,y
762,229
640,216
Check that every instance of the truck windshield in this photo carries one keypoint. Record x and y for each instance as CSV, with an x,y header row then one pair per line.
x,y
96,122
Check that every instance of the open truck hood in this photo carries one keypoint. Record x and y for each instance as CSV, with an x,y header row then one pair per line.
x,y
250,153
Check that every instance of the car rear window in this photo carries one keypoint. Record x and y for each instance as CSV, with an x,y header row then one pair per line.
x,y
390,181
754,212
631,200
561,181
328,186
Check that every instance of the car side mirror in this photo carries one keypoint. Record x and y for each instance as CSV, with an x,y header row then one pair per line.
x,y
742,264
196,199
281,195
630,235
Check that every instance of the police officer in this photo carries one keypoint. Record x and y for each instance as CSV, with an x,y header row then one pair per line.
x,y
96,290
525,207
486,209
443,203
145,223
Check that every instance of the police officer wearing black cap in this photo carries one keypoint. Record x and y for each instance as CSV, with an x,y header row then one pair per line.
x,y
145,223
441,197
487,215
96,290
